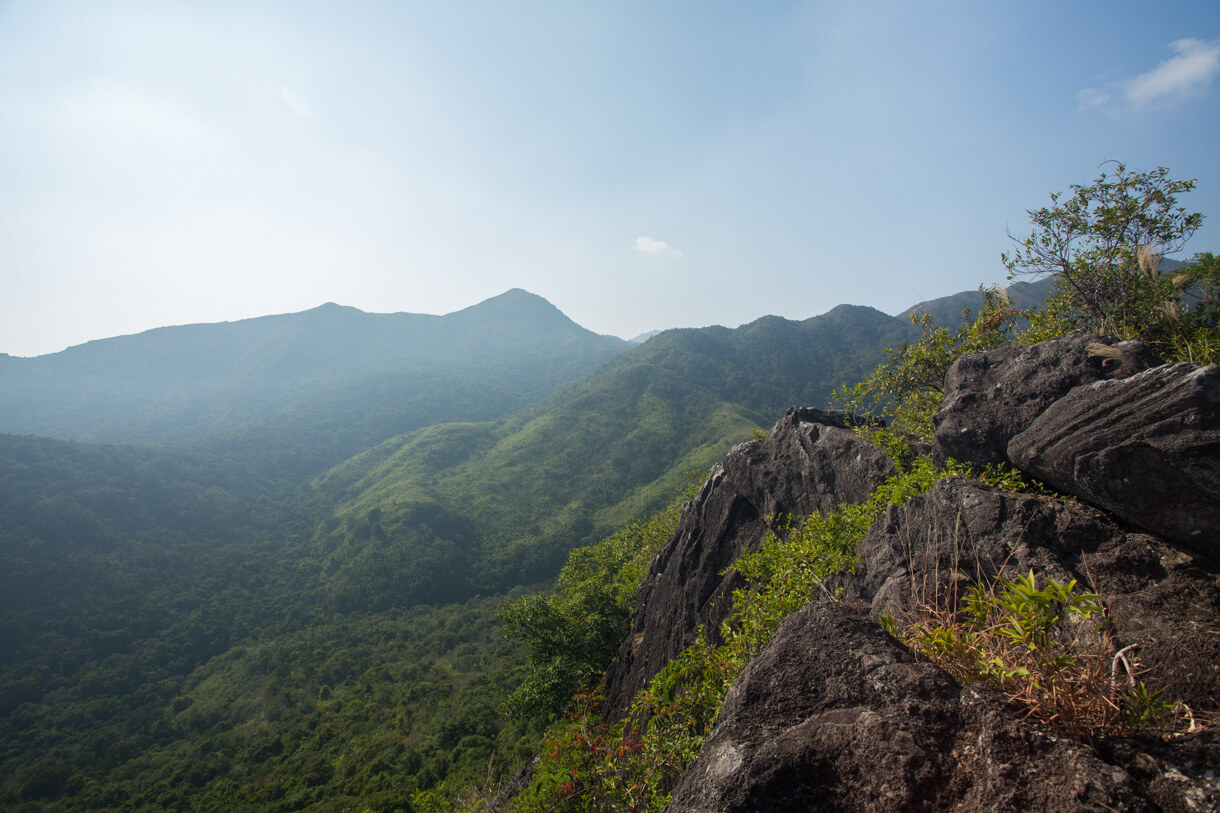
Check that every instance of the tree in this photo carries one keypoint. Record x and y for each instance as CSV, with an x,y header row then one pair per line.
x,y
906,389
573,633
1106,240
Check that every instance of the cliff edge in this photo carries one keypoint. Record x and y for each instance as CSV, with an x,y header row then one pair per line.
x,y
835,714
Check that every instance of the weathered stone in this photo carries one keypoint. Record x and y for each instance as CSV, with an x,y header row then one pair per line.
x,y
1145,448
992,396
937,544
836,715
810,461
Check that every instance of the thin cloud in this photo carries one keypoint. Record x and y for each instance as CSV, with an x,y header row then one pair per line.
x,y
297,103
648,245
1092,97
1188,73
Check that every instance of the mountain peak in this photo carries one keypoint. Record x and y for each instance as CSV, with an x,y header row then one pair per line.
x,y
518,308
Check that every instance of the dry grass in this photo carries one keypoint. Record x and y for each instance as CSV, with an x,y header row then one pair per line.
x,y
1047,647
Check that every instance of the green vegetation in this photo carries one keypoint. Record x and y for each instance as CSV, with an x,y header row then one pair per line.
x,y
166,647
573,633
241,621
1105,241
1021,639
1015,635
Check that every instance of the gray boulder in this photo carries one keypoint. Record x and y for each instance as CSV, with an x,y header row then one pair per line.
x,y
992,396
961,532
836,715
1144,448
810,461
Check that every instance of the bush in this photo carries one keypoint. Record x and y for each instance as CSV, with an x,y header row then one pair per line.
x,y
906,389
1031,643
1105,242
573,633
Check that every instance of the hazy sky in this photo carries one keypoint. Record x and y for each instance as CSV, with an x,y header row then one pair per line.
x,y
641,165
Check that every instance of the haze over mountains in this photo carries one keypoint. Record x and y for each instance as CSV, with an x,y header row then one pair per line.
x,y
347,378
340,477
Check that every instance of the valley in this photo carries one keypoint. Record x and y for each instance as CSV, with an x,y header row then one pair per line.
x,y
259,563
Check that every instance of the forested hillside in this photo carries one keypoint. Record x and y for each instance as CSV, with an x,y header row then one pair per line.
x,y
197,625
465,508
295,393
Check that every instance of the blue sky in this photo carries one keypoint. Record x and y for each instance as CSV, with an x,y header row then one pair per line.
x,y
641,165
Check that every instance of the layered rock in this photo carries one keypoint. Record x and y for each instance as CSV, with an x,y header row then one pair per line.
x,y
836,715
810,461
1160,599
1145,448
992,396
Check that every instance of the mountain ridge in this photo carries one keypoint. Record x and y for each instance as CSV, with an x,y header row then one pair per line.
x,y
265,613
352,378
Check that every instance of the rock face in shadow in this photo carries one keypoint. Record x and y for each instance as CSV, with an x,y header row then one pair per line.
x,y
836,715
1145,448
810,461
992,396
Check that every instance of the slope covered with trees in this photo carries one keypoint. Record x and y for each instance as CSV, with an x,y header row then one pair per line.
x,y
479,507
192,624
298,392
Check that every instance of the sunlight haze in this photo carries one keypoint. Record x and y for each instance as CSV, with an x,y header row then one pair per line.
x,y
639,165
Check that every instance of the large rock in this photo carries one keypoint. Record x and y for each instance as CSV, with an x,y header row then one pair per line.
x,y
1145,448
992,396
836,715
1159,599
810,461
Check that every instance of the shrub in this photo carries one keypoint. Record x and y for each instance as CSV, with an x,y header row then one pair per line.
x,y
1028,637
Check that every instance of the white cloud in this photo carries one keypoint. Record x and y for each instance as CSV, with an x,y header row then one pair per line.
x,y
1188,73
647,245
297,102
1092,97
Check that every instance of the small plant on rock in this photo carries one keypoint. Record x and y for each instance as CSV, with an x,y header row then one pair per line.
x,y
1044,644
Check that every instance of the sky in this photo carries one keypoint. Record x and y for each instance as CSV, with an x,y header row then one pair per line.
x,y
641,165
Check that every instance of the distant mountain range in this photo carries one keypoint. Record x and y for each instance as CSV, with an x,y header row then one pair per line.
x,y
254,597
343,378
505,500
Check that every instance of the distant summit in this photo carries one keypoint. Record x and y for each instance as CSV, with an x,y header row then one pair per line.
x,y
333,373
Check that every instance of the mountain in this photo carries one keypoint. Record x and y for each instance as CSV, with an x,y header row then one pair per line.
x,y
186,627
947,310
876,673
342,378
461,508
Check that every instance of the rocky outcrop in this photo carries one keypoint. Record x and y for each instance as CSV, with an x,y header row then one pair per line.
x,y
836,715
1159,598
809,462
1145,448
992,396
